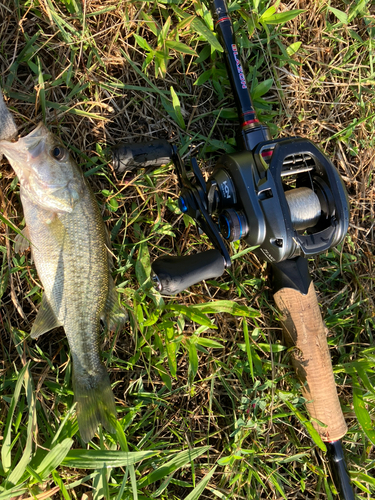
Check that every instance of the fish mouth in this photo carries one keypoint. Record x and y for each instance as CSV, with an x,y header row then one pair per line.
x,y
30,145
33,141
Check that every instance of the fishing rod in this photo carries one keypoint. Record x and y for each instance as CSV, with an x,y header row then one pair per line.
x,y
283,196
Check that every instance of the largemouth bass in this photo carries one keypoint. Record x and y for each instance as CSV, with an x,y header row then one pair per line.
x,y
69,247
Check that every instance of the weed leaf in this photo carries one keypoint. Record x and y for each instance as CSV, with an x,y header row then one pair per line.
x,y
226,306
341,16
177,109
6,445
364,418
96,459
270,17
178,460
54,458
198,490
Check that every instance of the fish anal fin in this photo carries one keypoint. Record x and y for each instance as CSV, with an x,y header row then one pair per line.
x,y
114,316
22,241
45,321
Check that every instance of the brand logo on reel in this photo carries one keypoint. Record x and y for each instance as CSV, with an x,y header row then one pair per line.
x,y
239,67
225,190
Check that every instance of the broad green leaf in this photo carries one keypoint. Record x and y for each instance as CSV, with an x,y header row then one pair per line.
x,y
15,492
262,88
177,109
20,468
60,483
54,458
268,13
309,426
179,460
270,17
171,347
41,94
180,47
6,458
143,264
364,418
248,347
341,16
168,106
142,43
164,31
293,48
161,61
193,358
225,306
274,347
150,22
96,459
148,60
208,343
193,313
100,485
356,8
198,490
364,478
138,311
203,78
185,22
365,379
201,29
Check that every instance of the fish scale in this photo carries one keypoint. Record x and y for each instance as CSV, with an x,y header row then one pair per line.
x,y
68,237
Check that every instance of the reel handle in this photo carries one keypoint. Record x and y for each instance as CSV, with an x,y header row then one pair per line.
x,y
175,274
305,333
129,156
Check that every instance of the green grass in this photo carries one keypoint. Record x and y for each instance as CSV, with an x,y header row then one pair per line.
x,y
208,404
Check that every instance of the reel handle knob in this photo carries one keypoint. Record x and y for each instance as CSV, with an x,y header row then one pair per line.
x,y
174,274
129,156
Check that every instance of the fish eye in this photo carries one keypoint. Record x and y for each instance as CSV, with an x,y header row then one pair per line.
x,y
58,152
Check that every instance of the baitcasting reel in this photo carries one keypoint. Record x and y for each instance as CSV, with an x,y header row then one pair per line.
x,y
285,197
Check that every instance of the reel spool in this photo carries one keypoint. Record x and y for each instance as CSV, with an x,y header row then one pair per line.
x,y
304,206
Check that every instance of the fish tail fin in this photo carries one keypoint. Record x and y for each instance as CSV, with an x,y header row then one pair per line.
x,y
95,402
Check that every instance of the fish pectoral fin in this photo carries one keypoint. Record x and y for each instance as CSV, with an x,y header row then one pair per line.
x,y
114,316
45,320
22,241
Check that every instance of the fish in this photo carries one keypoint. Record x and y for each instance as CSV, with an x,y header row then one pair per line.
x,y
71,251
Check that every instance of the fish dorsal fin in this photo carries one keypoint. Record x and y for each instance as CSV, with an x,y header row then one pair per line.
x,y
114,315
45,321
22,242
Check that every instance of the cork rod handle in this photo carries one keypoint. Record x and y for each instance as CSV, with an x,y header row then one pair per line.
x,y
305,331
